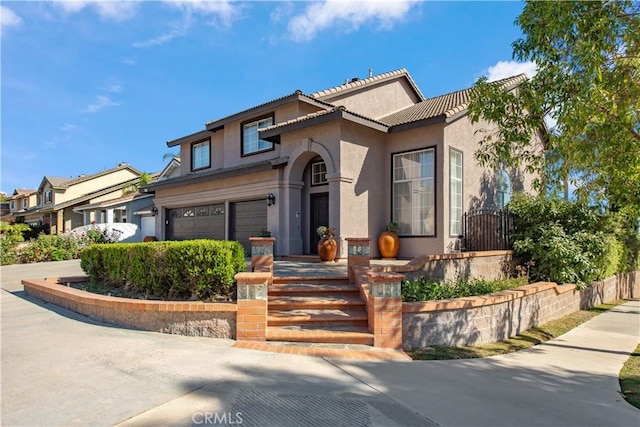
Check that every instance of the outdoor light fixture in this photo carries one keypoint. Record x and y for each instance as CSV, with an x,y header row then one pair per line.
x,y
154,211
271,199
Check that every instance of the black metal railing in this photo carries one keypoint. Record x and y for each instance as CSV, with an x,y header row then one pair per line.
x,y
486,230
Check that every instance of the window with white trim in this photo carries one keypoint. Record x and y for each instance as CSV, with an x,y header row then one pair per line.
x,y
414,192
48,196
503,188
318,173
455,192
25,203
201,155
251,143
39,199
12,205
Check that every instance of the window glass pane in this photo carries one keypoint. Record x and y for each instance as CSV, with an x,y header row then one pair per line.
x,y
414,193
503,189
250,141
200,155
455,190
318,173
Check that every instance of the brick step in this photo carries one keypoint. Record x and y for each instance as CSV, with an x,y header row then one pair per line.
x,y
353,317
312,288
310,280
317,335
327,302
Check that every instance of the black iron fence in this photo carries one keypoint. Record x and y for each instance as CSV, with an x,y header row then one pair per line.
x,y
486,230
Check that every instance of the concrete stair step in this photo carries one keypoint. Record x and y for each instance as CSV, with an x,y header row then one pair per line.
x,y
317,335
346,316
318,280
297,302
312,288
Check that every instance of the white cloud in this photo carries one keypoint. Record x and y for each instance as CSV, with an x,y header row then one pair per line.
x,y
8,18
113,88
100,103
107,10
322,15
68,127
221,9
504,69
130,60
176,30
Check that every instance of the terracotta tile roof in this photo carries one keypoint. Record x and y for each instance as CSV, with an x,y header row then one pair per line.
x,y
448,104
365,82
317,114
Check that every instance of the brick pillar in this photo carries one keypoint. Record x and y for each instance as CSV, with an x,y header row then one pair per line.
x,y
385,319
262,253
251,321
358,250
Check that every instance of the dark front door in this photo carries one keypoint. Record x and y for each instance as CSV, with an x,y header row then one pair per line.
x,y
319,216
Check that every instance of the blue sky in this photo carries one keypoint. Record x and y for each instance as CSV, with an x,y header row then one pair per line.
x,y
86,85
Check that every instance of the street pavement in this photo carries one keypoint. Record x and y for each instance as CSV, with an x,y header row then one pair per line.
x,y
60,368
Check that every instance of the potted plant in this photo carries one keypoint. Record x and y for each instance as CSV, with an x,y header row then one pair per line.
x,y
327,246
388,242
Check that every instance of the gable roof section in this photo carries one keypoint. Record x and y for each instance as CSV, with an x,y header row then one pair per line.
x,y
370,81
298,95
63,183
89,196
21,192
445,106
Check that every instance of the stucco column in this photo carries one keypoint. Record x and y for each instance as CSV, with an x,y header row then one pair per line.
x,y
385,309
109,216
358,254
251,321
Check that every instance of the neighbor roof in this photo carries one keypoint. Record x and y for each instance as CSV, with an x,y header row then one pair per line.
x,y
59,182
447,105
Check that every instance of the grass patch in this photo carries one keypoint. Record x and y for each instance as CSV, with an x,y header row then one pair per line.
x,y
524,340
630,378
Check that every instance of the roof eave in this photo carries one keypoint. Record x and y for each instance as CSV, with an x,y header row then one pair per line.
x,y
418,123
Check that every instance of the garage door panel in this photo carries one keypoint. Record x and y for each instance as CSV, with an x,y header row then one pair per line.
x,y
198,222
248,219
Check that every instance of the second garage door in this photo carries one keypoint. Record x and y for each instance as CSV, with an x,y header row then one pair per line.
x,y
248,219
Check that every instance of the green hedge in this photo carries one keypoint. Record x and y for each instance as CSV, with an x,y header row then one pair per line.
x,y
572,242
194,269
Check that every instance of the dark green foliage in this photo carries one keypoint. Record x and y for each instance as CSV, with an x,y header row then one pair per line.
x,y
570,242
425,289
196,269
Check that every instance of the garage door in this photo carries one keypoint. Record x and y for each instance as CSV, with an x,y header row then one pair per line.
x,y
197,222
248,219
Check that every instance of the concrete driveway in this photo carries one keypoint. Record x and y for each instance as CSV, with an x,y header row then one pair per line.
x,y
60,368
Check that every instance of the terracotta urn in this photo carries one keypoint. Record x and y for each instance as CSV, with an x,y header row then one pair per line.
x,y
327,249
388,241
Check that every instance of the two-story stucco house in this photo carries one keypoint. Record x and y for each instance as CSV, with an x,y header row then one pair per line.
x,y
23,204
353,157
60,196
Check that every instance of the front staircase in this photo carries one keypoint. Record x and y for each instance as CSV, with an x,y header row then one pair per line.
x,y
317,310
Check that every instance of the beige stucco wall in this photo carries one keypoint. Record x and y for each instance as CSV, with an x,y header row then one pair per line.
x,y
379,101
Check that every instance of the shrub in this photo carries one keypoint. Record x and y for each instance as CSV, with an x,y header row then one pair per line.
x,y
196,269
568,242
425,289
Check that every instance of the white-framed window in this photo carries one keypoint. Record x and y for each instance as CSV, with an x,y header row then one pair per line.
x,y
48,196
503,188
318,173
251,143
39,199
455,192
25,203
414,192
12,205
201,155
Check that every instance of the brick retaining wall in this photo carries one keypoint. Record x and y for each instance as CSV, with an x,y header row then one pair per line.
x,y
217,320
496,317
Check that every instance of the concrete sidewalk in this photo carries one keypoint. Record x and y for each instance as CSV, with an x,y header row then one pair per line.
x,y
60,368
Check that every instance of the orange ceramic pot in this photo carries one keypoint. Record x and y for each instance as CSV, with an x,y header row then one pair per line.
x,y
327,249
389,244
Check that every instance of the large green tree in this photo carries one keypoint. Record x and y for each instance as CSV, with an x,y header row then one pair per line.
x,y
588,81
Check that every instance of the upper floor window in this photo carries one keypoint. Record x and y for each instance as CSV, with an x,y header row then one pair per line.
x,y
201,155
25,203
12,205
318,173
503,189
414,192
455,193
251,143
39,199
48,196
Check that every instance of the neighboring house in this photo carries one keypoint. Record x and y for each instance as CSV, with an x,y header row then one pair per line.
x,y
353,157
23,206
62,196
